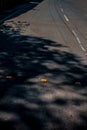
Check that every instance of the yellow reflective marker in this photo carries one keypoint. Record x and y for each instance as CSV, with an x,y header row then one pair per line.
x,y
44,80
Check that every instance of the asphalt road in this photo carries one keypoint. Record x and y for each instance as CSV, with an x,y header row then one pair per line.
x,y
48,41
60,21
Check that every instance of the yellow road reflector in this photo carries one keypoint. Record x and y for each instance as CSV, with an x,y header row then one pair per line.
x,y
9,77
77,83
44,80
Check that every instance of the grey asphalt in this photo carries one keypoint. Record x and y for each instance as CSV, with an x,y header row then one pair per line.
x,y
48,41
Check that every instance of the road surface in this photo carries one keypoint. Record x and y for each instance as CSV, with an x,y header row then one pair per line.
x,y
47,42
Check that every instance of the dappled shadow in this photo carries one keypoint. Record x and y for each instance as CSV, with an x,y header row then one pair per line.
x,y
27,103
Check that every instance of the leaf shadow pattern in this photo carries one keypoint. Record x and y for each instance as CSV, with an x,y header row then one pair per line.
x,y
25,102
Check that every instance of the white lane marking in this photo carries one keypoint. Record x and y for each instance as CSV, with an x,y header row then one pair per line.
x,y
61,9
77,38
66,18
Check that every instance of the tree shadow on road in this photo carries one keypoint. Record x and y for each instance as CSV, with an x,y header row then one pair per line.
x,y
27,103
17,9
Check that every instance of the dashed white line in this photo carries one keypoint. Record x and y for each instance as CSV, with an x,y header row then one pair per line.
x,y
74,33
77,38
66,18
61,9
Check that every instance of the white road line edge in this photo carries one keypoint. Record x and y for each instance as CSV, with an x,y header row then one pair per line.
x,y
66,18
77,38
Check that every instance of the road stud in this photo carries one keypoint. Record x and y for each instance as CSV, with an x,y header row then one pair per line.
x,y
44,80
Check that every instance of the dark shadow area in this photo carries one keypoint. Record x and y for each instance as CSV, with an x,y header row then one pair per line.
x,y
18,8
60,102
9,4
23,104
